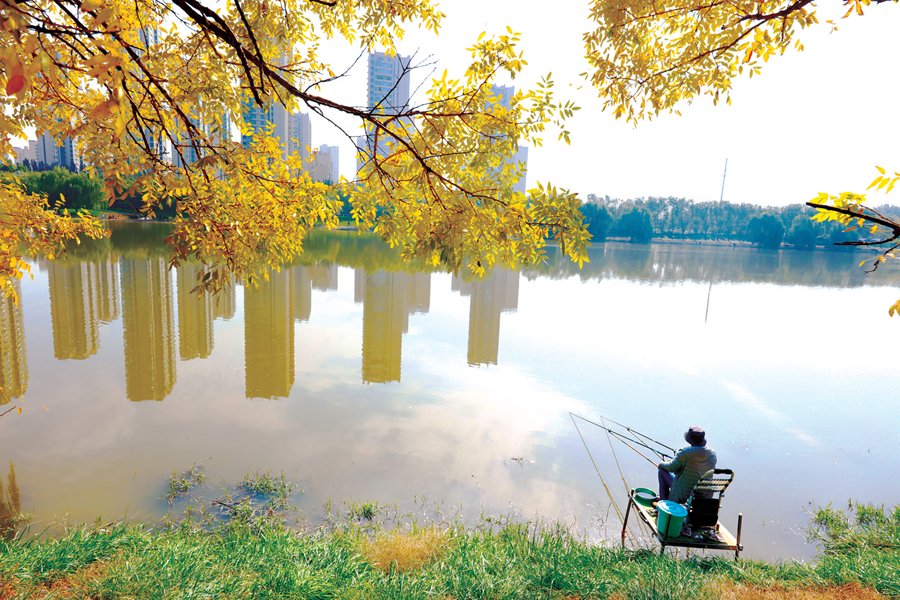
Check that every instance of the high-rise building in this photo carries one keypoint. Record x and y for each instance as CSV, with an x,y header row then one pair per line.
x,y
185,153
324,165
272,116
388,83
157,142
294,131
300,135
28,152
334,153
505,93
51,154
148,36
388,94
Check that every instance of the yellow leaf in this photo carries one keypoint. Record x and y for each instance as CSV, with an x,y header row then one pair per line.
x,y
104,109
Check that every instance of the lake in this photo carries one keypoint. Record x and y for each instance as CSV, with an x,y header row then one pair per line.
x,y
363,378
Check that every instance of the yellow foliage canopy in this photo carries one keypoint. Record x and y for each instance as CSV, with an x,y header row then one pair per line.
x,y
648,56
127,77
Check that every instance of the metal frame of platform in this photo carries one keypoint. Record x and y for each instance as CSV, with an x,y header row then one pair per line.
x,y
648,516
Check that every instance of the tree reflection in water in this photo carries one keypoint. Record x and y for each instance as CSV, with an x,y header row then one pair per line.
x,y
10,505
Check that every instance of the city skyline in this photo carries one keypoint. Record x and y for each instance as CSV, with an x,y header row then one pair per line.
x,y
678,156
781,133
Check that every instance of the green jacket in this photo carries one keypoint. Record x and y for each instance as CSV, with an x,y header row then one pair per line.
x,y
689,465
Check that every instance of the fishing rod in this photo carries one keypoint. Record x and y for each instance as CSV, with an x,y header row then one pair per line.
x,y
622,437
634,431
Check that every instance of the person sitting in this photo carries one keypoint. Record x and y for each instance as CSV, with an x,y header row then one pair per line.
x,y
678,477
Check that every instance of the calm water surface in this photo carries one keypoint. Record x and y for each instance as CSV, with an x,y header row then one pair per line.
x,y
365,379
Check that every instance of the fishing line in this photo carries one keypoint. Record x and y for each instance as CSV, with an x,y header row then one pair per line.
x,y
612,500
616,459
639,453
634,431
623,437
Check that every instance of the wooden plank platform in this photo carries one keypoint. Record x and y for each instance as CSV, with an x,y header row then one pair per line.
x,y
647,514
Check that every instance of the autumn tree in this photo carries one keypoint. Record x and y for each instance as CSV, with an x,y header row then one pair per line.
x,y
651,57
129,78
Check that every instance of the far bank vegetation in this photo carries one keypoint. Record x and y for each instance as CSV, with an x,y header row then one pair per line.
x,y
643,219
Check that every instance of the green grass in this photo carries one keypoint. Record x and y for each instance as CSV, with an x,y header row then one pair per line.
x,y
266,484
182,483
268,560
362,511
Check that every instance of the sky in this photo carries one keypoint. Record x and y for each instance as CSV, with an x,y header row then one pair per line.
x,y
813,121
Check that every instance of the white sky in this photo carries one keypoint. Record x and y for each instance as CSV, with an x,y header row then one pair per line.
x,y
818,120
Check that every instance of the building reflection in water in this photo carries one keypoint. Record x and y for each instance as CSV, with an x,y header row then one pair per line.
x,y
389,298
83,294
223,302
107,289
269,337
148,328
301,293
195,314
13,368
74,314
498,292
324,277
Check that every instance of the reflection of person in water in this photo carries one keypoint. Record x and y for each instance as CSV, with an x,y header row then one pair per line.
x,y
678,477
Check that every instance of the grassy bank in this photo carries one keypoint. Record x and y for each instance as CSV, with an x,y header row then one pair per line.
x,y
257,557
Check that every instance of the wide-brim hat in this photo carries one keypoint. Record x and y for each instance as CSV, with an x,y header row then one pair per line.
x,y
695,436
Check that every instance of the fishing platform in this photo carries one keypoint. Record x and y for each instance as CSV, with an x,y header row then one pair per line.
x,y
715,537
700,514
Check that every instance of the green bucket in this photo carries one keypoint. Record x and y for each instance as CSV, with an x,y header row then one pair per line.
x,y
670,517
644,497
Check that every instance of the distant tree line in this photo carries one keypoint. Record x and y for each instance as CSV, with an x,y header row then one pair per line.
x,y
72,190
642,219
65,189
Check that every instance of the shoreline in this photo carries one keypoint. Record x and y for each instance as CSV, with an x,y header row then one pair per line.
x,y
253,554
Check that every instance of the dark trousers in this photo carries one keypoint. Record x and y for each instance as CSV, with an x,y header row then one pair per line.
x,y
665,483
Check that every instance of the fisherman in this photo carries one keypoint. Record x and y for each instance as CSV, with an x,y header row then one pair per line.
x,y
678,477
